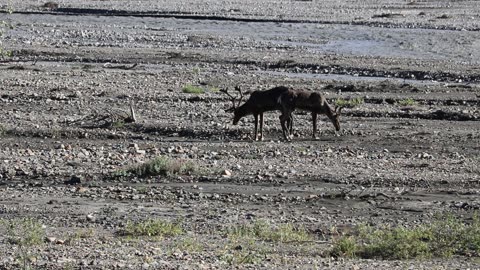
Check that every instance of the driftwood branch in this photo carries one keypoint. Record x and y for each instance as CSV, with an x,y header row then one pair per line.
x,y
132,118
106,120
125,67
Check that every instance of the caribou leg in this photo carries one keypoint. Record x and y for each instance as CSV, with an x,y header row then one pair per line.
x,y
256,126
314,122
261,126
290,125
284,119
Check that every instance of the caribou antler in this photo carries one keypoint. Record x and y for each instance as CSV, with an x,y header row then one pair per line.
x,y
232,98
241,94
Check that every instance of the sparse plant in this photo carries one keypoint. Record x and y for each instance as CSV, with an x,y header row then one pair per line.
x,y
142,190
189,244
243,251
262,230
192,89
246,242
50,5
120,173
350,103
214,89
396,243
3,130
83,233
254,230
445,237
288,233
118,124
152,228
345,246
162,165
196,70
407,102
4,26
450,236
301,149
24,233
69,266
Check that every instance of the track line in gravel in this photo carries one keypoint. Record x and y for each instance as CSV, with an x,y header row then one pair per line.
x,y
247,19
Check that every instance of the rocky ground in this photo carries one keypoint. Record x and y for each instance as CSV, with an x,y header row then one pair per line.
x,y
409,152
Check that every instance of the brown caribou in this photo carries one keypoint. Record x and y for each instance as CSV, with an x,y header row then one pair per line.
x,y
307,101
258,103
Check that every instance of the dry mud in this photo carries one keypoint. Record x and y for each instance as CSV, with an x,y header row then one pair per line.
x,y
73,71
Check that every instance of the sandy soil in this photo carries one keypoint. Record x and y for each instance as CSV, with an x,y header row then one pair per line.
x,y
73,74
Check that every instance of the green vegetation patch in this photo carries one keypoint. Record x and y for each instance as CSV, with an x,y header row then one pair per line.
x,y
262,230
161,165
407,102
247,243
350,103
82,233
446,237
243,251
214,89
152,228
192,89
118,124
189,244
4,27
23,232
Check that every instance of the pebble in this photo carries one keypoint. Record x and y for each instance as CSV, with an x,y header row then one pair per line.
x,y
226,173
90,218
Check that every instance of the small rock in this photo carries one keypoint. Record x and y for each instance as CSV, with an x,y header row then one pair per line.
x,y
74,180
51,239
425,156
133,145
91,218
140,152
82,189
85,152
226,173
52,202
